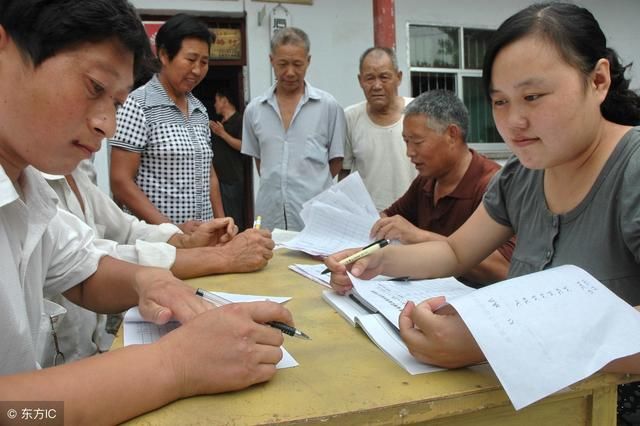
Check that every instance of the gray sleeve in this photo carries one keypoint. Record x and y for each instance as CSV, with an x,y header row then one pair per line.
x,y
629,199
495,200
338,133
249,143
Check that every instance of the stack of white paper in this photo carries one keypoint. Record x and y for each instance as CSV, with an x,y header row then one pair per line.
x,y
340,217
281,236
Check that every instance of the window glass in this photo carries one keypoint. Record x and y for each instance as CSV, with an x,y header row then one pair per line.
x,y
439,62
482,128
475,46
434,46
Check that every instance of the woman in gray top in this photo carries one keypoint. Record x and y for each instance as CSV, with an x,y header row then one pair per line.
x,y
562,104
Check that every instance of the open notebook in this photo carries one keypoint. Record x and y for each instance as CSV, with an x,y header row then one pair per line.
x,y
375,306
540,332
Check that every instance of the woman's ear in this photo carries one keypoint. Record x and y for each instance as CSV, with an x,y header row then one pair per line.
x,y
600,79
163,56
4,37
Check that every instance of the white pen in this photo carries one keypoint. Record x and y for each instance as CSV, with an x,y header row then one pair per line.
x,y
257,223
221,301
366,251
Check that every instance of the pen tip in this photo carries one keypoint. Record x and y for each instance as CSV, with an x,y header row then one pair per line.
x,y
304,336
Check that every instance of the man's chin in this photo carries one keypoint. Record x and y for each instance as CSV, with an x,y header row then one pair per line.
x,y
378,103
59,169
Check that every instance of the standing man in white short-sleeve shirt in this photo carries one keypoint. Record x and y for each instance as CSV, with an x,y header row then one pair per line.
x,y
296,134
374,146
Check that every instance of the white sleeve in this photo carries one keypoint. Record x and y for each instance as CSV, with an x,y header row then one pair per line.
x,y
159,254
73,256
118,225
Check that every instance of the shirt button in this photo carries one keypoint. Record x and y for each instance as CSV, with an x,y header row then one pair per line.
x,y
555,221
548,254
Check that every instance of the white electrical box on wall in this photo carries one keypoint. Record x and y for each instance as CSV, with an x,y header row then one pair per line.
x,y
279,18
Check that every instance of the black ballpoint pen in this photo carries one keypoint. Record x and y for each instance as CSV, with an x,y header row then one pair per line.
x,y
220,301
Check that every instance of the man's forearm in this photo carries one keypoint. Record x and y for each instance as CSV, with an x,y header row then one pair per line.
x,y
335,165
110,289
101,397
234,143
202,261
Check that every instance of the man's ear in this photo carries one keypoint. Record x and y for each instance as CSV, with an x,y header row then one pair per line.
x,y
453,132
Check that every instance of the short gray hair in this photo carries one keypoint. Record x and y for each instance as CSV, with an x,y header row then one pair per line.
x,y
380,51
290,35
442,108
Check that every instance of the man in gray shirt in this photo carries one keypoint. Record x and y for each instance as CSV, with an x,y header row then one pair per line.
x,y
296,134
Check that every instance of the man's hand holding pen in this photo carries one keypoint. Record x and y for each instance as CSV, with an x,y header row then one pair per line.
x,y
242,353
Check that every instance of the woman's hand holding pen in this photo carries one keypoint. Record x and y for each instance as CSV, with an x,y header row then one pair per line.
x,y
366,267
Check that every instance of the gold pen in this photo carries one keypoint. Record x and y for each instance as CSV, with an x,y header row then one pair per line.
x,y
366,251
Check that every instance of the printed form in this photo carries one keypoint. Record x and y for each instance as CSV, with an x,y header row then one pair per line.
x,y
545,331
540,332
139,331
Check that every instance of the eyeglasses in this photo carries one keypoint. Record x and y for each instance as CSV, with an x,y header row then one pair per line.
x,y
58,358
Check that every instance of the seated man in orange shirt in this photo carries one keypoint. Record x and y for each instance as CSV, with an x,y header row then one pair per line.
x,y
451,183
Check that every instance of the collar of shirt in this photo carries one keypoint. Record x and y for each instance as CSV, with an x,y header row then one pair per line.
x,y
157,96
67,198
37,193
8,193
310,92
54,178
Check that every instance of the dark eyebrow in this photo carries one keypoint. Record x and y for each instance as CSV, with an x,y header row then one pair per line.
x,y
528,82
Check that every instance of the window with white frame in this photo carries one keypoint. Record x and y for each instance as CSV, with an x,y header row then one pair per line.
x,y
448,57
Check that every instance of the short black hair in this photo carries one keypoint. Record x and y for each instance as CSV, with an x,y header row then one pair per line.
x,y
42,28
177,28
225,92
